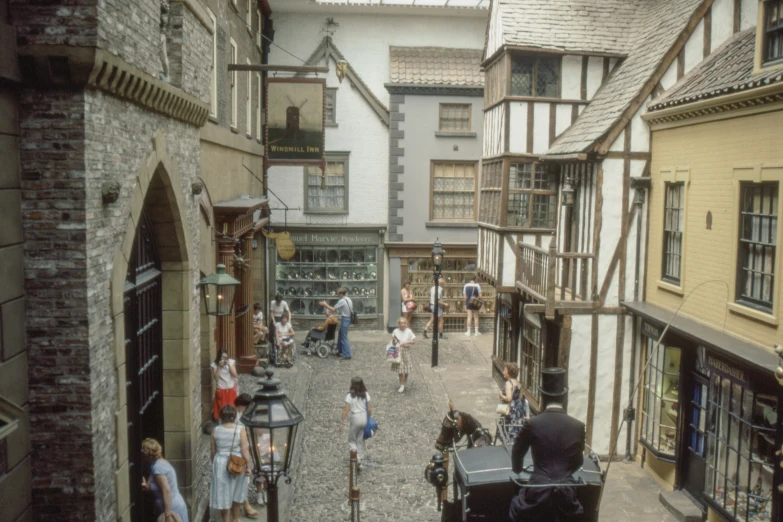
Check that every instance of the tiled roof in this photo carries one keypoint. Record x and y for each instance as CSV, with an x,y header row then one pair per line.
x,y
435,66
728,69
573,25
661,23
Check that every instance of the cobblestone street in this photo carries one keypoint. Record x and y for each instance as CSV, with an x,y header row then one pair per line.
x,y
392,483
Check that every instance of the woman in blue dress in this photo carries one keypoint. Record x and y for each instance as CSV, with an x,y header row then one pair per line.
x,y
162,483
228,492
518,411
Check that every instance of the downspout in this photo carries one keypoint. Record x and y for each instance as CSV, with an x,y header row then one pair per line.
x,y
630,413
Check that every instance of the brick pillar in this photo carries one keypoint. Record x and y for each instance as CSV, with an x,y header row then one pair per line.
x,y
246,356
225,324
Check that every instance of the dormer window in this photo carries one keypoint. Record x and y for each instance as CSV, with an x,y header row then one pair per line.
x,y
773,30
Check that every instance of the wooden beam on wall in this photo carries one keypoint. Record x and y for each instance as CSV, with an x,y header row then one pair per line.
x,y
591,380
707,33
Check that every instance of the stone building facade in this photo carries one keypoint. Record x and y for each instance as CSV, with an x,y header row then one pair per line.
x,y
111,100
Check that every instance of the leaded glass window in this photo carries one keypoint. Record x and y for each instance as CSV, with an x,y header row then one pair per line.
x,y
328,193
757,244
532,195
535,76
491,190
532,356
453,191
673,220
454,117
773,30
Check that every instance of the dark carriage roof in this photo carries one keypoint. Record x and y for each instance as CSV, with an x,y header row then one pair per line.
x,y
492,465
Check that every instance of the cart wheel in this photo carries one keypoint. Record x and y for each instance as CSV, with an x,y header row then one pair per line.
x,y
322,350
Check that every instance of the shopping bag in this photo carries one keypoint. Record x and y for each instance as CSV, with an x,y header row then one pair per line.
x,y
393,354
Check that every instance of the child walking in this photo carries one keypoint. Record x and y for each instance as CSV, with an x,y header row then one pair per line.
x,y
358,404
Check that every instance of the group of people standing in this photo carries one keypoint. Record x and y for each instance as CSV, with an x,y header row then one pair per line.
x,y
471,292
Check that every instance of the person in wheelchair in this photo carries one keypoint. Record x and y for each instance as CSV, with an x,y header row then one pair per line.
x,y
284,336
319,334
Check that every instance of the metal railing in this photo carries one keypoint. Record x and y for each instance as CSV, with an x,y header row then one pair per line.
x,y
554,277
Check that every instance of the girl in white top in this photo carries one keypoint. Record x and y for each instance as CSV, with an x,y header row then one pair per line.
x,y
358,404
285,339
403,337
225,374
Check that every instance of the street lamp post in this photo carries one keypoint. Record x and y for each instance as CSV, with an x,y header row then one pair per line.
x,y
218,292
437,263
271,420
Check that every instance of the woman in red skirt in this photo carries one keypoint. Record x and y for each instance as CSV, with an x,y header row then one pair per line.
x,y
225,373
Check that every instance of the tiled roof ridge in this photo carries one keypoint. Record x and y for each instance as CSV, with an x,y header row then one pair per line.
x,y
727,70
429,65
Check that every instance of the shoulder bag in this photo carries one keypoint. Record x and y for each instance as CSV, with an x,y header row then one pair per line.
x,y
354,317
235,465
372,426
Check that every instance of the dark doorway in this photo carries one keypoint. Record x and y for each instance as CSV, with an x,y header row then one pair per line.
x,y
143,308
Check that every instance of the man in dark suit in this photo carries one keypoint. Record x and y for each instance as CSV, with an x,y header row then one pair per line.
x,y
557,443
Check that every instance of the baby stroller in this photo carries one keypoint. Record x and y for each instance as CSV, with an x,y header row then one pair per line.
x,y
321,343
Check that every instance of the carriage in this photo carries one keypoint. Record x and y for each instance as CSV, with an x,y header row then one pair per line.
x,y
483,483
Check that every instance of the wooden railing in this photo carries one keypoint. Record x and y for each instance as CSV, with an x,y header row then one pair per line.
x,y
553,277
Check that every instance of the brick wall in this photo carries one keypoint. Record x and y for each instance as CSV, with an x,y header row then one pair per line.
x,y
711,151
56,24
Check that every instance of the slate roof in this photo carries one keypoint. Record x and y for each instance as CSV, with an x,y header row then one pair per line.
x,y
435,66
573,25
659,25
729,69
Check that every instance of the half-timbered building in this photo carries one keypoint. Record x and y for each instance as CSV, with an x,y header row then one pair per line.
x,y
565,161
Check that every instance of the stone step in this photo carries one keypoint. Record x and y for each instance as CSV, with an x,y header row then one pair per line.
x,y
679,505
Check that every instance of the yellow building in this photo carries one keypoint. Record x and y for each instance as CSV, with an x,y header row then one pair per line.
x,y
707,411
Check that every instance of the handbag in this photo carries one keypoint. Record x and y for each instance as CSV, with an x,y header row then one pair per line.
x,y
372,426
393,355
504,408
411,305
235,465
428,308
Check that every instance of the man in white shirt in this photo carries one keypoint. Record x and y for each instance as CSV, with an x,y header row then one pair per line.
x,y
278,308
439,309
344,306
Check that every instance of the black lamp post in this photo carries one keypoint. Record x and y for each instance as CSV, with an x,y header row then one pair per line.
x,y
437,263
218,292
271,421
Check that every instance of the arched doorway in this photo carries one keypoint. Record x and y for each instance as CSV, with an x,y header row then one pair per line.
x,y
143,312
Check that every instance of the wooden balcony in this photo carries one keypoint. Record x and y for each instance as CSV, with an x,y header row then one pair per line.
x,y
555,279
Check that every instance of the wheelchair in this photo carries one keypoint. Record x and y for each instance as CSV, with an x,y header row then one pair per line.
x,y
321,343
275,352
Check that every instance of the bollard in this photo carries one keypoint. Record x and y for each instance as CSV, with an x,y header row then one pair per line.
x,y
353,473
355,504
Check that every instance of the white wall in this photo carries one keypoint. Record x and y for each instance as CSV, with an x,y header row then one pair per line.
x,y
579,366
364,40
518,127
494,130
748,14
722,22
611,219
595,72
572,77
540,127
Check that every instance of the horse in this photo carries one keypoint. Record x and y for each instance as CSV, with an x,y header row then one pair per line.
x,y
458,424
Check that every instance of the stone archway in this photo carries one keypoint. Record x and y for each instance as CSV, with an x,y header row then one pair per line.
x,y
159,192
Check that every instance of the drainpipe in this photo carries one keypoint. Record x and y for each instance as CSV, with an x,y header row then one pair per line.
x,y
630,413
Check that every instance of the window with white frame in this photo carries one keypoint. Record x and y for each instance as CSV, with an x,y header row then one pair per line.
x,y
328,192
758,230
249,16
330,107
249,103
259,28
673,221
453,190
233,85
454,117
773,30
258,107
213,107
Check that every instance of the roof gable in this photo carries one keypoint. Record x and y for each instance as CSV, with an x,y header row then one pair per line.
x,y
661,34
435,66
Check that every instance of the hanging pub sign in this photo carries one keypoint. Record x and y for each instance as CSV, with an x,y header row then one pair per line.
x,y
295,121
285,247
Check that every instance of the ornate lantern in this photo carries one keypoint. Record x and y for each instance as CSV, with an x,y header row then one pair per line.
x,y
218,292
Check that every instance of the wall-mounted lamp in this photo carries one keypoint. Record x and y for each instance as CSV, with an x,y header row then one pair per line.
x,y
638,197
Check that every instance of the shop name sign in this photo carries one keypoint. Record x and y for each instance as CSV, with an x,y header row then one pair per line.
x,y
726,370
651,331
346,239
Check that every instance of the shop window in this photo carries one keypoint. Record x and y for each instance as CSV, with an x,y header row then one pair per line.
x,y
330,107
315,273
491,192
453,191
773,30
532,356
531,76
661,399
454,117
757,244
532,195
457,272
740,450
673,220
328,193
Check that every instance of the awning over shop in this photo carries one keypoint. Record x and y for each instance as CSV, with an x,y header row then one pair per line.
x,y
730,346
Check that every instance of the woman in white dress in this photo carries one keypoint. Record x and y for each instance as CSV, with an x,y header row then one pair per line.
x,y
228,492
403,337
